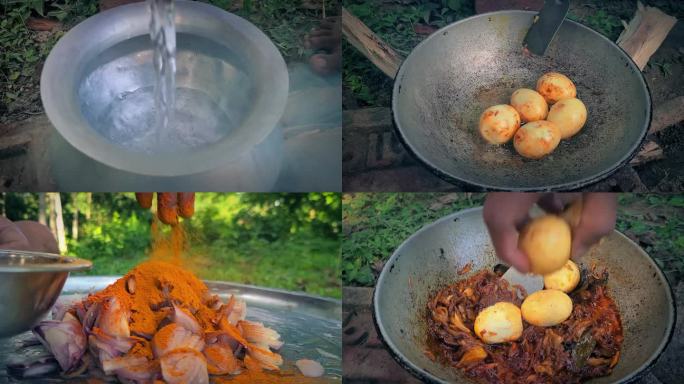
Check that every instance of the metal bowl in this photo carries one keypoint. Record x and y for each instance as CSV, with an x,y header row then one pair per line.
x,y
30,283
97,84
429,259
450,78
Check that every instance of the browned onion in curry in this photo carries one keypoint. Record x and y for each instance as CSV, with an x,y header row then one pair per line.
x,y
585,346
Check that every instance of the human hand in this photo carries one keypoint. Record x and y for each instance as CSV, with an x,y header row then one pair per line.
x,y
506,213
26,236
170,205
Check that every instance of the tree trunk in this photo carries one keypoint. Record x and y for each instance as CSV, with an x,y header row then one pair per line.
x,y
59,221
89,203
41,209
51,215
74,221
3,209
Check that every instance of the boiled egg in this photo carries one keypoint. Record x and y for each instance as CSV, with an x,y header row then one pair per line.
x,y
499,323
556,86
499,123
564,279
537,139
546,308
569,116
530,104
546,240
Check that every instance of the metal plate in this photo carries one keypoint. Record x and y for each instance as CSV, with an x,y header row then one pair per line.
x,y
429,259
309,325
451,77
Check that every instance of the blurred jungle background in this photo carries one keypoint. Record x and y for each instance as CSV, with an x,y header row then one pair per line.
x,y
30,28
288,241
375,224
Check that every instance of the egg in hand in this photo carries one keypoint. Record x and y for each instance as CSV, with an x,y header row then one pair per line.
x,y
499,123
546,308
547,241
499,323
564,279
556,86
530,104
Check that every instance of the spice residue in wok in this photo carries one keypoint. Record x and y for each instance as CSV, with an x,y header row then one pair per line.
x,y
585,346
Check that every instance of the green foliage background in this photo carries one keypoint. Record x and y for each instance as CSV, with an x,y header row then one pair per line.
x,y
288,241
375,224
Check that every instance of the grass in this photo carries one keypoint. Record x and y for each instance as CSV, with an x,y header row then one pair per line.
x,y
398,24
656,222
305,264
374,225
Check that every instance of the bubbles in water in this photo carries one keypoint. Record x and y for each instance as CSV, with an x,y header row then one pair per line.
x,y
129,121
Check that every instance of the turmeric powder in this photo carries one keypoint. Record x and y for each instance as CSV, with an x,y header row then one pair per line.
x,y
157,283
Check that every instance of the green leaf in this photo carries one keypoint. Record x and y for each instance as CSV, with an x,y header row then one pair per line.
x,y
14,75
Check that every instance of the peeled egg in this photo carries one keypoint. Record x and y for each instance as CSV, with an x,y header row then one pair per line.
x,y
564,279
530,104
499,323
537,139
546,240
555,86
546,308
498,123
569,115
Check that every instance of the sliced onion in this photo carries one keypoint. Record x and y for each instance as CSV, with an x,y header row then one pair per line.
x,y
258,334
113,318
184,365
173,337
64,339
310,368
185,320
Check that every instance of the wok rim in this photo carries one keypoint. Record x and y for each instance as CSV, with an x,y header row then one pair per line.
x,y
573,185
428,377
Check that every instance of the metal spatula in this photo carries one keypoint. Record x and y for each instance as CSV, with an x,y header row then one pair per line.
x,y
531,283
545,26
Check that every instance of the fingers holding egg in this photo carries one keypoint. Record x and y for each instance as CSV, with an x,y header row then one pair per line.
x,y
554,86
499,123
530,104
564,279
546,308
569,115
537,139
499,323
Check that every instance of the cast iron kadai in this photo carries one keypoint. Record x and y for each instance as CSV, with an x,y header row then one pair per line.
x,y
430,258
451,77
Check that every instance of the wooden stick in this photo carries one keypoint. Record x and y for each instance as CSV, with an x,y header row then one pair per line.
x,y
650,151
668,113
370,45
644,33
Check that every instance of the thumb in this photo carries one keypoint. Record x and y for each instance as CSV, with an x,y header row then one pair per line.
x,y
505,240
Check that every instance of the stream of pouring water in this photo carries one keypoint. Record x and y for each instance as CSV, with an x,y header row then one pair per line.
x,y
163,35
